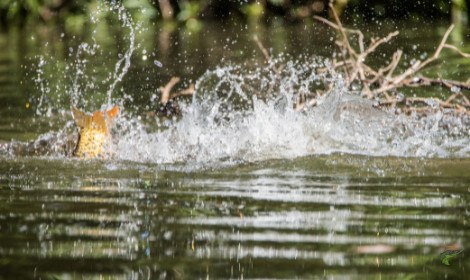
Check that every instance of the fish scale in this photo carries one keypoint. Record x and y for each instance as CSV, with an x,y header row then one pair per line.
x,y
92,140
94,131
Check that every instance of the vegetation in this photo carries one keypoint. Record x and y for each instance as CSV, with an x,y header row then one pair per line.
x,y
191,11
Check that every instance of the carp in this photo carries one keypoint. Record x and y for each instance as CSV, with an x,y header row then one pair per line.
x,y
94,131
88,142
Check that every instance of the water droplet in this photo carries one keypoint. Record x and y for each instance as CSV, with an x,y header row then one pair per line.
x,y
455,89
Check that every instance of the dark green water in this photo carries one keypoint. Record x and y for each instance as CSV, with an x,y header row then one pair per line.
x,y
332,216
326,217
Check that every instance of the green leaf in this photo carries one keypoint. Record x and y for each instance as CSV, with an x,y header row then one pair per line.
x,y
448,255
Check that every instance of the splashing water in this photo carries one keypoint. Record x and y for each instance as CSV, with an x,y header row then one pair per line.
x,y
238,116
245,114
123,64
83,90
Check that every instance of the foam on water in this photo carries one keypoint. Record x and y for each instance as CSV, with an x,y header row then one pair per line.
x,y
245,115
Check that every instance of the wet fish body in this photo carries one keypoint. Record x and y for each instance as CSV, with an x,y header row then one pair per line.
x,y
88,142
94,131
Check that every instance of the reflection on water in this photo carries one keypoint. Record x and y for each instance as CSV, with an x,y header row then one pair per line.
x,y
62,219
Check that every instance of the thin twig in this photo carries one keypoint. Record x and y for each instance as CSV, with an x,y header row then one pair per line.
x,y
452,47
266,54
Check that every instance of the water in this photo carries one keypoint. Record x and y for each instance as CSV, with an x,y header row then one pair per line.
x,y
239,187
336,216
227,123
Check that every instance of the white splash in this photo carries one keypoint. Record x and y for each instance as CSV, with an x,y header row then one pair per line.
x,y
239,116
83,90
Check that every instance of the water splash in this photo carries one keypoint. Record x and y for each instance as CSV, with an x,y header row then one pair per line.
x,y
80,71
43,87
244,113
78,87
238,116
123,64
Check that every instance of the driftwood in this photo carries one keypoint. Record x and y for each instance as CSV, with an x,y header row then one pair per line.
x,y
382,84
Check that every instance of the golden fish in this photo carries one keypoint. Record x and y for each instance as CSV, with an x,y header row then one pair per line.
x,y
94,131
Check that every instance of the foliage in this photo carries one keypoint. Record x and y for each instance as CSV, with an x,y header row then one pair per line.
x,y
448,255
253,10
14,10
189,12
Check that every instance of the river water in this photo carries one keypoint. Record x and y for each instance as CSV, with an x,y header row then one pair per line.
x,y
261,194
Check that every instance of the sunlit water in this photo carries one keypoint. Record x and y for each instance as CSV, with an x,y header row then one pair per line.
x,y
241,186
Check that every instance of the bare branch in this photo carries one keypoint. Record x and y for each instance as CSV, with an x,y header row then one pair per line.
x,y
452,47
383,82
265,52
166,90
185,92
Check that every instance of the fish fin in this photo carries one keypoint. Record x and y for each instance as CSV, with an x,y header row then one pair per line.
x,y
81,118
113,112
